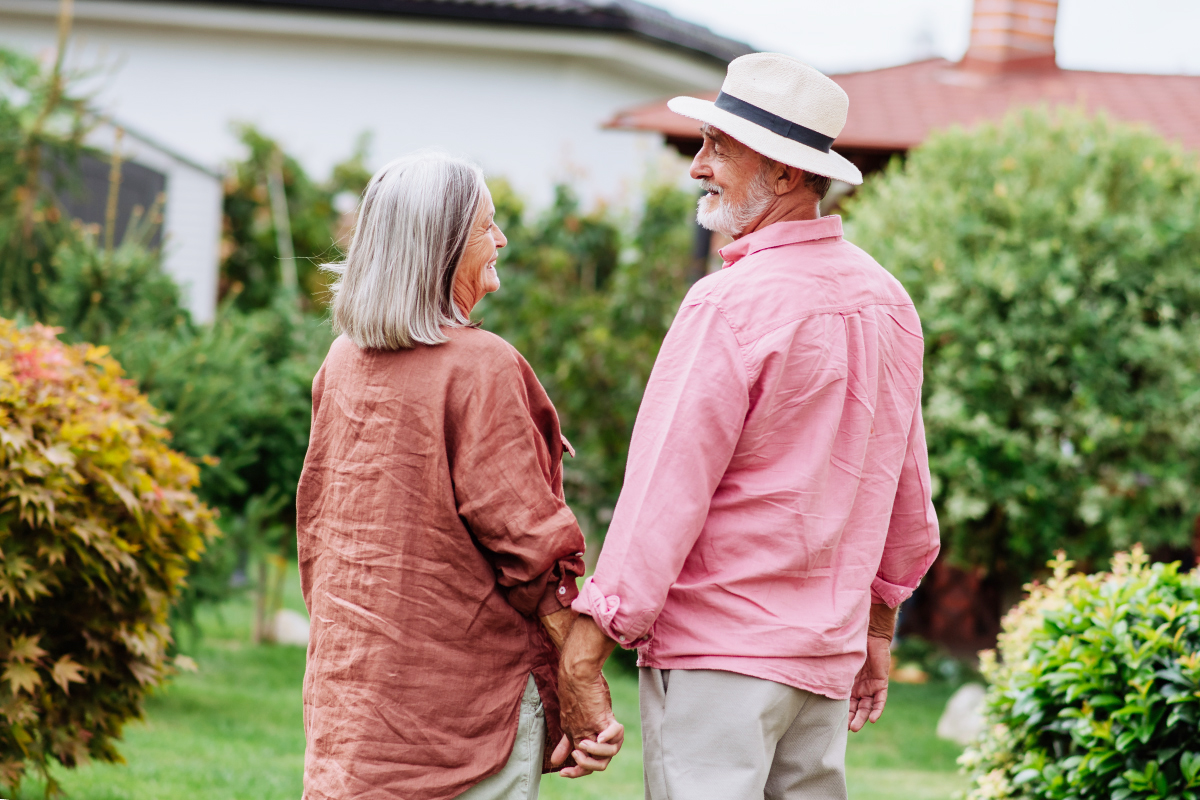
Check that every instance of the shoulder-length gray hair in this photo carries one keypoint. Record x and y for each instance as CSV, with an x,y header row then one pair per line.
x,y
394,288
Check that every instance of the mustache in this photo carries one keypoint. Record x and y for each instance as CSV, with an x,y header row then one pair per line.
x,y
708,186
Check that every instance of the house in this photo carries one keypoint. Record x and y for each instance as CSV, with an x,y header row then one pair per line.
x,y
521,86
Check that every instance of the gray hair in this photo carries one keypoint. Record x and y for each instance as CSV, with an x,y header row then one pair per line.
x,y
393,291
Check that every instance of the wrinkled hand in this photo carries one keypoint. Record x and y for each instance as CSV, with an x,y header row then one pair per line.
x,y
869,694
584,702
588,721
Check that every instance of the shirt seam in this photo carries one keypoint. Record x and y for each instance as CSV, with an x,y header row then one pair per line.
x,y
741,348
815,312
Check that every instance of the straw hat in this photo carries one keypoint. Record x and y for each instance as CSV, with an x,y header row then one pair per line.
x,y
781,108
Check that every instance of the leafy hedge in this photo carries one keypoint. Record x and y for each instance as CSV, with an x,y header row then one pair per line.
x,y
99,524
1055,261
1096,691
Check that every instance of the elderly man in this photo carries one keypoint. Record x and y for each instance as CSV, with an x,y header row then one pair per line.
x,y
776,507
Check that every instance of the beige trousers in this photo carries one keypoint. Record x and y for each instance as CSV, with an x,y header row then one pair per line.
x,y
709,735
522,773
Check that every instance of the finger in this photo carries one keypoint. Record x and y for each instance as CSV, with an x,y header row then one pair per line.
x,y
588,762
853,710
878,704
561,751
615,732
575,772
861,714
600,749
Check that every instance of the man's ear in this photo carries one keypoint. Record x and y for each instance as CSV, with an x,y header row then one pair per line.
x,y
787,179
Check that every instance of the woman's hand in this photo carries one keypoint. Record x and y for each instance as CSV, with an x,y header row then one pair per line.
x,y
590,756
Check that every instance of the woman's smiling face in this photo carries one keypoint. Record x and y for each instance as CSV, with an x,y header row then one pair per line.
x,y
476,274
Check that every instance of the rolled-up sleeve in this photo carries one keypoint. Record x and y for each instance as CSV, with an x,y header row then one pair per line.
x,y
913,540
687,428
502,468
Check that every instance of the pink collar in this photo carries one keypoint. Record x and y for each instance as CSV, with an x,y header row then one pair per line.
x,y
781,234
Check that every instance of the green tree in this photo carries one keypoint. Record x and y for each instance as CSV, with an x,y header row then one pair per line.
x,y
1055,262
251,261
41,127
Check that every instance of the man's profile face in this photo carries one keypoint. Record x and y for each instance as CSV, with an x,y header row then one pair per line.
x,y
736,187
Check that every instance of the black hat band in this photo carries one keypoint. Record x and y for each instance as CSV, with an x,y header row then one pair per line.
x,y
774,123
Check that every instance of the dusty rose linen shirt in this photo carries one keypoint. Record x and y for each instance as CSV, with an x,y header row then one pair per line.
x,y
432,533
777,479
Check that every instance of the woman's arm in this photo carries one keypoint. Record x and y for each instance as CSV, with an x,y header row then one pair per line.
x,y
501,467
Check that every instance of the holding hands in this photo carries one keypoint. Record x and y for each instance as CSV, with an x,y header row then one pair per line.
x,y
592,735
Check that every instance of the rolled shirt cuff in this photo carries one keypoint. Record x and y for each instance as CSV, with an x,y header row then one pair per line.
x,y
561,593
603,609
891,594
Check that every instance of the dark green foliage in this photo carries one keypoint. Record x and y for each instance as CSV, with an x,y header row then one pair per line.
x,y
1055,261
99,295
250,268
591,323
1097,691
239,394
41,126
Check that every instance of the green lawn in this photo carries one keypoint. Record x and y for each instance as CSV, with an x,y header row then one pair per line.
x,y
234,730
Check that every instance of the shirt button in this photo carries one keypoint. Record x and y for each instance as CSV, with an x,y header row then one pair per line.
x,y
622,638
562,590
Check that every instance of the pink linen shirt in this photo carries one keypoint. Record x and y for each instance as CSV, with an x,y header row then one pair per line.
x,y
777,480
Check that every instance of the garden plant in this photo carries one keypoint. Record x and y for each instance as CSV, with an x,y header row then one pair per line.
x,y
1055,261
99,524
1095,691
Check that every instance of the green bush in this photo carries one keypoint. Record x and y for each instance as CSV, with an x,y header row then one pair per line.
x,y
239,395
1055,262
99,524
1096,692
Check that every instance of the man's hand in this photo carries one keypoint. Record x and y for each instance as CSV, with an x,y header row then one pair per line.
x,y
586,705
869,694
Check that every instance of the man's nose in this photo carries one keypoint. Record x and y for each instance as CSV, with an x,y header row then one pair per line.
x,y
700,168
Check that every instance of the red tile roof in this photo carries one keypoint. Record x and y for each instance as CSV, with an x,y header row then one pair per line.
x,y
898,107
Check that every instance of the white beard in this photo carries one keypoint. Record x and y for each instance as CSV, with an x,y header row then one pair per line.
x,y
717,214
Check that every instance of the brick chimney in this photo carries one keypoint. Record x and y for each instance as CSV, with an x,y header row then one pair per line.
x,y
1012,35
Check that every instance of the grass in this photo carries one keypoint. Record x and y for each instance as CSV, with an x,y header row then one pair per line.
x,y
234,731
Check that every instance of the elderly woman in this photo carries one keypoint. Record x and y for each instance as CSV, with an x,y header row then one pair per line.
x,y
437,557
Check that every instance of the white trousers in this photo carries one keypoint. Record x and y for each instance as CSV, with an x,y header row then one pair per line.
x,y
522,773
709,735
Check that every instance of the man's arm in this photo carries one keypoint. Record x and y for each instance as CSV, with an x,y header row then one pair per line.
x,y
559,625
586,706
912,545
869,694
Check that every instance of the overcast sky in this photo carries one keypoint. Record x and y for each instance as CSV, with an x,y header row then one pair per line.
x,y
845,35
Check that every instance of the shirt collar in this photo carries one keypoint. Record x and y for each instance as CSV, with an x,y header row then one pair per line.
x,y
780,234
